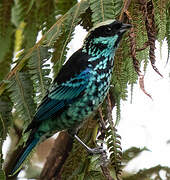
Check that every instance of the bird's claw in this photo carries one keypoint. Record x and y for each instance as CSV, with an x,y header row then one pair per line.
x,y
97,150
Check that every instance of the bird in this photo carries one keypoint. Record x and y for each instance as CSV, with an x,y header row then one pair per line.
x,y
79,88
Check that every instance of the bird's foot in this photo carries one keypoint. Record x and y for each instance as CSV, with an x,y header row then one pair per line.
x,y
97,150
101,154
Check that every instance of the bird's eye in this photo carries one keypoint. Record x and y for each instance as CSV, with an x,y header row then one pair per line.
x,y
108,30
118,26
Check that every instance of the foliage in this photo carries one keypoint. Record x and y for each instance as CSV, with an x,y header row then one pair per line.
x,y
151,173
101,12
168,28
25,67
39,70
5,122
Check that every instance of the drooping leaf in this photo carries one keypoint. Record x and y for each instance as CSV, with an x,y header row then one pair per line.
x,y
21,94
6,28
51,37
39,70
5,122
64,37
6,38
46,12
150,173
131,153
20,11
105,9
5,115
160,18
64,5
168,29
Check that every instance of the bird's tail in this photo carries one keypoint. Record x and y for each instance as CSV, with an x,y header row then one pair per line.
x,y
23,155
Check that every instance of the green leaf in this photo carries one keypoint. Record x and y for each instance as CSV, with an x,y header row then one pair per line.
x,y
51,37
6,64
132,153
168,29
64,5
5,122
7,41
93,175
6,37
160,18
21,94
45,14
114,147
2,175
105,9
40,70
63,32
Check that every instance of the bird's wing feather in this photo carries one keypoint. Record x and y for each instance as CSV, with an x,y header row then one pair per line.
x,y
62,95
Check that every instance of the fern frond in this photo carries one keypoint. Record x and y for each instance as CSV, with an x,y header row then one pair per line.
x,y
51,36
138,21
114,147
105,9
5,122
68,26
46,11
150,173
151,31
6,63
7,40
120,83
36,16
130,154
64,5
67,20
5,16
31,29
39,70
117,6
6,37
168,29
20,11
21,94
118,110
26,12
160,18
5,116
113,141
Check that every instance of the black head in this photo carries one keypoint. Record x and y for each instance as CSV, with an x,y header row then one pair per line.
x,y
109,28
106,31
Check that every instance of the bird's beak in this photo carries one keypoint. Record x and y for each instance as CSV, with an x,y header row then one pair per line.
x,y
125,27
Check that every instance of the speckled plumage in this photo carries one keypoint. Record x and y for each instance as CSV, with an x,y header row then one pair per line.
x,y
80,87
81,94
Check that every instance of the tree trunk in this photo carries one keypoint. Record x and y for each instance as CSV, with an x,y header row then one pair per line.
x,y
58,155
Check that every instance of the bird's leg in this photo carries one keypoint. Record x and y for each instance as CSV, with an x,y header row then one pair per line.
x,y
97,150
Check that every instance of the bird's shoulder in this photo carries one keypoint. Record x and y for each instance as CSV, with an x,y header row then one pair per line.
x,y
60,93
74,66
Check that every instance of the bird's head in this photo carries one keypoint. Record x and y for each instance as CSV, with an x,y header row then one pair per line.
x,y
105,35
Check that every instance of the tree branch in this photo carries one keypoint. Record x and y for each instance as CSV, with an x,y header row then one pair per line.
x,y
58,155
125,8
